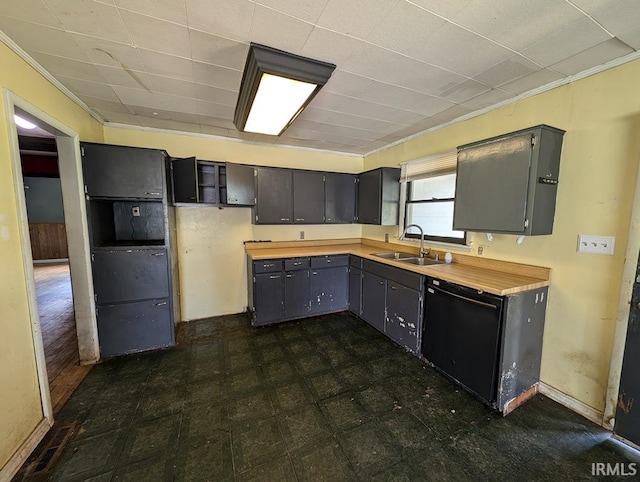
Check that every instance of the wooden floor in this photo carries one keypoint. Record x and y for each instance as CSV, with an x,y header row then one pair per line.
x,y
55,306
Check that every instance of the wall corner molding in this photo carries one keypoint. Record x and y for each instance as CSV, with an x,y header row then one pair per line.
x,y
573,404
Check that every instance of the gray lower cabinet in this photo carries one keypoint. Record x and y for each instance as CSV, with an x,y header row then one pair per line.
x,y
296,293
404,313
355,285
268,294
374,292
308,197
132,327
329,289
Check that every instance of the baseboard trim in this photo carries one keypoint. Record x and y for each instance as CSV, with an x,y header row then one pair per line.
x,y
51,261
20,456
590,413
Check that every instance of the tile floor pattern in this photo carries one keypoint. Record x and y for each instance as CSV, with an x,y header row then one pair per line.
x,y
326,398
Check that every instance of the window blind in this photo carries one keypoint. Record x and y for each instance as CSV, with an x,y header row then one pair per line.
x,y
429,166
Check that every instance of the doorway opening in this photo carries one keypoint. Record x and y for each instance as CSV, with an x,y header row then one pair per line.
x,y
49,251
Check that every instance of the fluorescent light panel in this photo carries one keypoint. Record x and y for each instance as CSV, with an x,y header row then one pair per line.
x,y
276,86
25,124
277,101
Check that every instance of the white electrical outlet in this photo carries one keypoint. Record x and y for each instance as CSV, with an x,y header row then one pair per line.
x,y
596,244
135,211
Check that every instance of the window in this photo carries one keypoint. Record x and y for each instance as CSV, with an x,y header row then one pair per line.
x,y
429,187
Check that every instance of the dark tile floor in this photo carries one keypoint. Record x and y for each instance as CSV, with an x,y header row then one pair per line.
x,y
326,398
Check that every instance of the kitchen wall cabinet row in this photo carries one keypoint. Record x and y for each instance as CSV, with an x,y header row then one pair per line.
x,y
129,235
287,289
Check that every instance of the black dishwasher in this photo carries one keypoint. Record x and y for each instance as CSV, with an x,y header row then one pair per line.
x,y
461,335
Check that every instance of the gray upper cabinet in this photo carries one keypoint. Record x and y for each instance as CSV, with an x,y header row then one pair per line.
x,y
508,184
274,196
379,196
308,197
340,198
240,185
122,172
184,178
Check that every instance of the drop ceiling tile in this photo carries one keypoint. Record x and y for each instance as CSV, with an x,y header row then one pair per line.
x,y
348,18
185,117
329,46
214,130
400,70
212,49
234,24
511,69
448,47
465,91
154,34
532,81
335,129
155,100
118,117
446,9
450,114
169,10
93,89
125,78
90,18
212,109
105,52
494,96
140,111
330,117
101,104
600,54
275,29
67,67
216,76
298,133
509,24
167,65
189,89
405,99
167,124
581,35
217,122
30,10
346,83
308,10
40,38
406,28
620,17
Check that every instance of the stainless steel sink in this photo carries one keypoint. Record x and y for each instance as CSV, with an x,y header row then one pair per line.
x,y
420,261
397,255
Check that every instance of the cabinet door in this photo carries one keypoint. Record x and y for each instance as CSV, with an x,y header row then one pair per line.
x,y
268,297
308,197
118,171
355,291
130,274
369,197
185,180
404,316
329,289
296,294
340,198
133,327
274,196
241,185
374,290
492,185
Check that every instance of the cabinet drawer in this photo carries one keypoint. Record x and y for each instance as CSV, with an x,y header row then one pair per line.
x,y
130,275
267,266
355,261
292,264
406,278
333,260
132,327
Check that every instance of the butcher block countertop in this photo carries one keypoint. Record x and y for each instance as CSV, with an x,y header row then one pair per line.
x,y
492,276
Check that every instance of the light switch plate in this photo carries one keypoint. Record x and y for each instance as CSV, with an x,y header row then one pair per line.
x,y
596,244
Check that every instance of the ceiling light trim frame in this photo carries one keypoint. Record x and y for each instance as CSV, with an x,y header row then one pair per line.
x,y
158,130
525,95
262,59
48,76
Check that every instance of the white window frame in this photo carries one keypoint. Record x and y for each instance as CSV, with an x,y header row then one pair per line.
x,y
421,168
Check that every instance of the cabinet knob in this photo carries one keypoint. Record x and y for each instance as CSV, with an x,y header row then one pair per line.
x,y
380,283
393,288
299,219
284,219
275,276
289,276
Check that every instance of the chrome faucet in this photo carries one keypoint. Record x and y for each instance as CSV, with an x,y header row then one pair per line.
x,y
423,253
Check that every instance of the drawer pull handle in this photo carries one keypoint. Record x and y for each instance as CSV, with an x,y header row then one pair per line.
x,y
153,193
380,283
157,254
314,273
274,276
284,219
394,288
289,276
299,219
161,304
268,265
298,263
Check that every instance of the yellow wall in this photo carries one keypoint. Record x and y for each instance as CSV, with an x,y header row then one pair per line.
x,y
600,154
20,408
211,259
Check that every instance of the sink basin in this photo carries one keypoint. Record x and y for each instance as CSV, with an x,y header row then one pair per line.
x,y
395,255
420,261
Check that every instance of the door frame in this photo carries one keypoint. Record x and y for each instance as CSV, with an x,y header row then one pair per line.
x,y
70,166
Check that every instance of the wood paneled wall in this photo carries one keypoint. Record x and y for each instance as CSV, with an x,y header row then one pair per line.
x,y
48,241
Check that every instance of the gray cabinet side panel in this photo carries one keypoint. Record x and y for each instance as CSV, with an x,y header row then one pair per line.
x,y
542,197
522,331
492,185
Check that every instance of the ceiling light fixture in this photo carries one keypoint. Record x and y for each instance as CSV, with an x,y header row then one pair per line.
x,y
276,86
25,124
